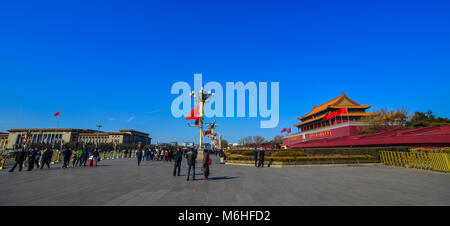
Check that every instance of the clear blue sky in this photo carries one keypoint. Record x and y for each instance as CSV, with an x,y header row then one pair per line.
x,y
114,62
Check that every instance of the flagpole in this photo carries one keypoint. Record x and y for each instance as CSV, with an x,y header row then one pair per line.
x,y
57,126
348,118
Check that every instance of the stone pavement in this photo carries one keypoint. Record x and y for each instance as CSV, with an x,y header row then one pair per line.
x,y
121,182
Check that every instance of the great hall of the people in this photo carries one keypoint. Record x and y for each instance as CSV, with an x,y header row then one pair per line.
x,y
48,136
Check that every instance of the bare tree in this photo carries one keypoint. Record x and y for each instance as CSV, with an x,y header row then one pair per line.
x,y
258,140
385,119
277,141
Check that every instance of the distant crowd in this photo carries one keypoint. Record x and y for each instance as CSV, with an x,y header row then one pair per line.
x,y
31,158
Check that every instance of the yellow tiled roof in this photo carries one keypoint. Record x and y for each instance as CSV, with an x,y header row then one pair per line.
x,y
345,115
334,104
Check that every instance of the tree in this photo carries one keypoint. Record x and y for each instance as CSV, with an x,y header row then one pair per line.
x,y
258,140
246,141
424,119
225,143
277,141
385,119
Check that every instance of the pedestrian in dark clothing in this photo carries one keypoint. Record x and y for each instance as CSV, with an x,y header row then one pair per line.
x,y
191,163
47,158
147,154
37,158
75,159
152,153
261,158
84,157
139,156
205,167
178,157
31,159
96,155
20,158
67,155
255,156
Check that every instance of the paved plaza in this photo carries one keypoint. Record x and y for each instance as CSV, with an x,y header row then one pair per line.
x,y
121,182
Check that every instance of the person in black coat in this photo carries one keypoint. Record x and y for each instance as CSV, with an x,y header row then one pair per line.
x,y
67,155
255,156
84,157
31,159
20,157
139,156
261,158
205,167
47,158
178,157
191,156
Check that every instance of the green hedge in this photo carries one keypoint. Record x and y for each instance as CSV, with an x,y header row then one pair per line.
x,y
288,154
373,151
428,150
305,158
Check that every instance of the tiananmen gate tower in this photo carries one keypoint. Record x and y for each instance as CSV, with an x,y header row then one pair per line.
x,y
314,131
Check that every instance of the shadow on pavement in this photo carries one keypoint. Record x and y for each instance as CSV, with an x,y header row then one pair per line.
x,y
220,178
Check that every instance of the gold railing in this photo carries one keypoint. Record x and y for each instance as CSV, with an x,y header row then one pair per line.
x,y
418,160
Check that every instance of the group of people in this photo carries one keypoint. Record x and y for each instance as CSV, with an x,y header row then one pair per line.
x,y
33,156
81,157
177,156
258,156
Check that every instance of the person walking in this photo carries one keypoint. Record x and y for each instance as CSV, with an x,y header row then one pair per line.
x,y
20,158
78,157
95,154
139,156
152,152
47,158
190,156
67,155
37,158
32,159
206,163
178,157
147,154
255,156
75,159
261,158
84,157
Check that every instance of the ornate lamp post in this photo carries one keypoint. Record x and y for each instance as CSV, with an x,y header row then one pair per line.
x,y
212,126
201,98
98,131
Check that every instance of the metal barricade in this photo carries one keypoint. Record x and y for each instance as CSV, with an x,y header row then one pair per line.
x,y
418,160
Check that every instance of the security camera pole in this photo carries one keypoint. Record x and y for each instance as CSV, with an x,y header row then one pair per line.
x,y
201,98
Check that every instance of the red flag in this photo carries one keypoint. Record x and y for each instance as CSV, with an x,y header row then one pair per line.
x,y
289,130
194,114
21,137
208,132
335,113
284,130
57,113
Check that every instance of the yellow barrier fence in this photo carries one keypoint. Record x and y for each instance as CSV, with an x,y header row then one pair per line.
x,y
418,160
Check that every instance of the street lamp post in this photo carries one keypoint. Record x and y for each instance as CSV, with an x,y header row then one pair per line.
x,y
212,126
201,98
98,131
